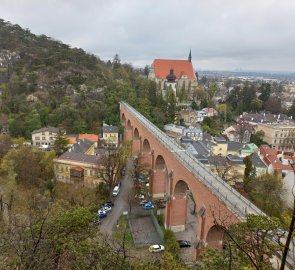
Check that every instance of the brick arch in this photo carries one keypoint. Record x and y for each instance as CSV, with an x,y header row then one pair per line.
x,y
160,163
180,188
146,155
123,119
146,147
128,126
159,178
128,134
215,237
136,134
136,143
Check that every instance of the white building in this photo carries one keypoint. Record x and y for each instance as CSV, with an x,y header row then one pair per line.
x,y
44,137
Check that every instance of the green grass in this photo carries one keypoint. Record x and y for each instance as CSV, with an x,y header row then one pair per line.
x,y
121,229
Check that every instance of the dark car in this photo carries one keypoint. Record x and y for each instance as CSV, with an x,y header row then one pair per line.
x,y
109,203
184,243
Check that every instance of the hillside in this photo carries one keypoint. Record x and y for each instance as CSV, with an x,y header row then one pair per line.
x,y
45,82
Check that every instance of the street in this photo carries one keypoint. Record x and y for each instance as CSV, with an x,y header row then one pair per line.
x,y
121,202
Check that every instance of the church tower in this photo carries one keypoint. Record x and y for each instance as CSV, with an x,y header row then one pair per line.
x,y
190,55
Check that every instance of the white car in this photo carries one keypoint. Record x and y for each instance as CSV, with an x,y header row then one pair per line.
x,y
106,208
156,248
101,212
116,191
139,196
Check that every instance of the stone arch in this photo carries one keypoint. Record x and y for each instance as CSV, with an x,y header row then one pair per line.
x,y
215,237
181,188
136,134
160,163
129,126
146,148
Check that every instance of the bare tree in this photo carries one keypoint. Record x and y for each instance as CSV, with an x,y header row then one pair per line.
x,y
131,200
223,168
291,229
110,163
258,237
243,130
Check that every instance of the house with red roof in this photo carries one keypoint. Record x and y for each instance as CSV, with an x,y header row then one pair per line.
x,y
269,156
177,74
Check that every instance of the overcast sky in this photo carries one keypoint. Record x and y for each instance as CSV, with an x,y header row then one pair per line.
x,y
223,34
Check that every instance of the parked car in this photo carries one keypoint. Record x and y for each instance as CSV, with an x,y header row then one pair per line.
x,y
116,191
109,203
184,243
143,202
139,196
106,208
148,206
156,248
101,214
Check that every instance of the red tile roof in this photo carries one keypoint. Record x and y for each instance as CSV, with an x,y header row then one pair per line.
x,y
72,140
180,67
90,137
77,168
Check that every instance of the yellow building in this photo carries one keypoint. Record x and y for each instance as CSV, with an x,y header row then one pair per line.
x,y
279,135
110,135
79,163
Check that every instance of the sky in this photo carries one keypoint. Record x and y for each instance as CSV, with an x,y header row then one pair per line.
x,y
256,35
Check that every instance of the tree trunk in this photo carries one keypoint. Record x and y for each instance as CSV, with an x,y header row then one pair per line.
x,y
290,233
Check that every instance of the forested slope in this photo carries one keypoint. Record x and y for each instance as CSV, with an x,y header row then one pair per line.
x,y
45,82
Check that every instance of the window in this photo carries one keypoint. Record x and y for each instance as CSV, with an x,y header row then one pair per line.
x,y
43,138
50,133
43,133
37,138
50,138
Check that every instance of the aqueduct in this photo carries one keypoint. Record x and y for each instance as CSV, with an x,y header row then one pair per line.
x,y
176,173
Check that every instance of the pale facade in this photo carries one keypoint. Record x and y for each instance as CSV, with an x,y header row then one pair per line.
x,y
44,136
110,135
79,164
279,135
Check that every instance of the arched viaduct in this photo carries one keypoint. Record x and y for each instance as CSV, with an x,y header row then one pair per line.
x,y
175,174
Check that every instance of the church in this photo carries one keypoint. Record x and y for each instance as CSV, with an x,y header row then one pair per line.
x,y
179,75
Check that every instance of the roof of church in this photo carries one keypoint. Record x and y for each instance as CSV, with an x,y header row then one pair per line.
x,y
180,67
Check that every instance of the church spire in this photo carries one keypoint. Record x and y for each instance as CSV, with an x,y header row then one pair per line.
x,y
190,55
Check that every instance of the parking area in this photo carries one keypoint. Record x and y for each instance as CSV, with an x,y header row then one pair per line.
x,y
142,227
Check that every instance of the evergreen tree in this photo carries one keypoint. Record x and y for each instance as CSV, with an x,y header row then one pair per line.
x,y
61,143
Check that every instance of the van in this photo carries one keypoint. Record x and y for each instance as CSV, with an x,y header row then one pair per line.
x,y
116,191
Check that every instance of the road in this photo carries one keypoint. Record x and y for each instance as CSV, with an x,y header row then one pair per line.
x,y
121,202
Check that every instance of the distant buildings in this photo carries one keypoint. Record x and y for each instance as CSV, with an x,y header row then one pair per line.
x,y
44,137
255,118
240,132
177,74
181,132
190,117
278,135
277,161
